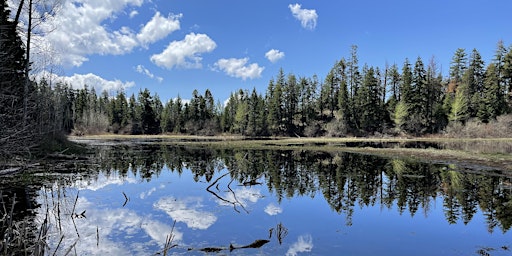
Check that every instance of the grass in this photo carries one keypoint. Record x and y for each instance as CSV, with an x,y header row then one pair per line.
x,y
451,152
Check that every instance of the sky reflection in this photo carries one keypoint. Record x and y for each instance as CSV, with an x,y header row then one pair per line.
x,y
304,243
187,210
339,206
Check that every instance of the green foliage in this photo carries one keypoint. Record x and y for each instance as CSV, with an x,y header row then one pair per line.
x,y
460,106
459,65
492,103
350,100
400,115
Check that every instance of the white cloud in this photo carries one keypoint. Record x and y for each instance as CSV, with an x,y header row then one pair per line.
x,y
185,53
274,55
78,81
186,211
142,70
158,27
239,68
307,17
133,13
273,209
78,30
304,244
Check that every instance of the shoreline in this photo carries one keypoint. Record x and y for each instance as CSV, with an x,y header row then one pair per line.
x,y
484,160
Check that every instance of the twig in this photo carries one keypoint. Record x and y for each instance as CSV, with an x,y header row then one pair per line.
x,y
126,199
234,196
97,237
219,197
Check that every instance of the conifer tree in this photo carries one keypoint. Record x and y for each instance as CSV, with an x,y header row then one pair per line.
x,y
12,78
492,103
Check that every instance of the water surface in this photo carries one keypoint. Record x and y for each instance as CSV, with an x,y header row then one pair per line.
x,y
138,199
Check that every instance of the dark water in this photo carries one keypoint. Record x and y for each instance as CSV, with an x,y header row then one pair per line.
x,y
131,198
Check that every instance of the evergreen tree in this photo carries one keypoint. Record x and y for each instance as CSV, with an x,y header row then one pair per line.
x,y
419,122
291,100
460,107
507,76
403,109
343,99
275,106
242,111
436,119
458,66
148,117
371,104
166,121
228,115
177,115
492,103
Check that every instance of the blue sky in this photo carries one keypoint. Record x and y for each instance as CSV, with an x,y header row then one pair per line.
x,y
172,47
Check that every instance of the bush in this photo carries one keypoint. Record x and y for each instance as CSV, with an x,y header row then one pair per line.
x,y
499,128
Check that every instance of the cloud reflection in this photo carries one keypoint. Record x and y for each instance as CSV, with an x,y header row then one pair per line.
x,y
114,178
103,231
186,210
273,209
304,244
242,196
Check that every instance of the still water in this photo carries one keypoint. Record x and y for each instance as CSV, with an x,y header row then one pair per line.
x,y
156,199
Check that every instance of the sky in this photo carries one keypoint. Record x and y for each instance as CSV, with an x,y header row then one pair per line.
x,y
172,47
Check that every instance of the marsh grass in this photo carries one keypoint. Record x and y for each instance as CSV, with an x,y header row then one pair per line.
x,y
18,236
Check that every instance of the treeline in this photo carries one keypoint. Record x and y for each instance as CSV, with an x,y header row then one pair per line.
x,y
412,99
352,100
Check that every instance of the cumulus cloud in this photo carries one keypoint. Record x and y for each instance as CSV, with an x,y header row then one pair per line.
x,y
239,68
142,70
304,244
185,53
307,17
158,27
78,30
78,81
82,28
274,55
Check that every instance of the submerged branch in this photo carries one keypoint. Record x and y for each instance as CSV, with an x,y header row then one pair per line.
x,y
219,197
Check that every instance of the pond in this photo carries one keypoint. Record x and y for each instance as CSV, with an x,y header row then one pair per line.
x,y
161,199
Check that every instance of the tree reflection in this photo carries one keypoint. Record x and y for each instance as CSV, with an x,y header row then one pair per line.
x,y
345,180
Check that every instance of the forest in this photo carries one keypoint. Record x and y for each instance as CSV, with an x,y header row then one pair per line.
x,y
353,100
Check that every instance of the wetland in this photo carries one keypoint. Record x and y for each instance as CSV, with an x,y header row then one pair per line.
x,y
154,196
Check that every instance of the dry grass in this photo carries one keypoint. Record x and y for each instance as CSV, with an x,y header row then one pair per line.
x,y
478,151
